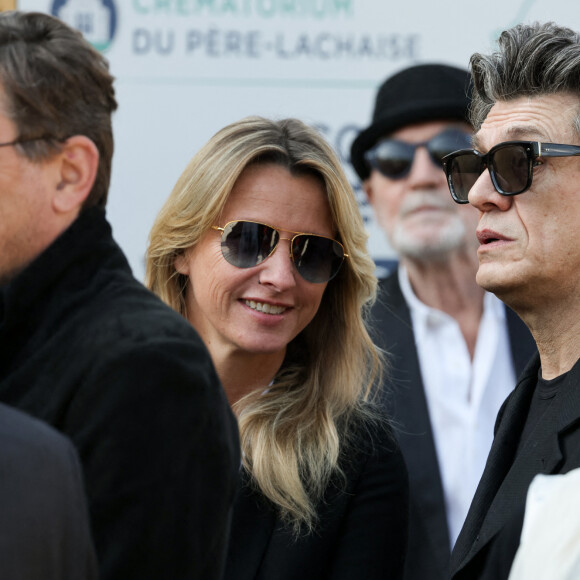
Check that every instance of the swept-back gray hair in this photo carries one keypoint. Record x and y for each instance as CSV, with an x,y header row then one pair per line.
x,y
531,60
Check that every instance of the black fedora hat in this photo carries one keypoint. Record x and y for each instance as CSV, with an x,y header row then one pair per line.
x,y
426,92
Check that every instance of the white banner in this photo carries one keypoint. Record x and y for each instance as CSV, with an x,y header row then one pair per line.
x,y
186,68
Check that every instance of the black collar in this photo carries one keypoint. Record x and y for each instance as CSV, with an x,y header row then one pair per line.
x,y
56,280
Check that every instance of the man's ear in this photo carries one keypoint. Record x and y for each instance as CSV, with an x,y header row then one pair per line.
x,y
78,162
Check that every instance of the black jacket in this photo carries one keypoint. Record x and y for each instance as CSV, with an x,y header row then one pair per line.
x,y
429,553
490,535
361,530
44,529
87,348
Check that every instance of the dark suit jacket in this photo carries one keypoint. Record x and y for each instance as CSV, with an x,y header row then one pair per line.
x,y
500,497
44,525
405,401
362,525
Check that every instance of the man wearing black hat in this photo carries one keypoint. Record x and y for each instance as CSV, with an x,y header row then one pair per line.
x,y
455,350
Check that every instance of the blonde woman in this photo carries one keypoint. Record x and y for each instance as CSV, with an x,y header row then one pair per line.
x,y
262,248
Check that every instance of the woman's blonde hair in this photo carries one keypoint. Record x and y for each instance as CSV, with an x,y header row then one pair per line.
x,y
292,435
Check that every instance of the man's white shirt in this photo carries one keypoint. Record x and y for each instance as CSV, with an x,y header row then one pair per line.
x,y
463,395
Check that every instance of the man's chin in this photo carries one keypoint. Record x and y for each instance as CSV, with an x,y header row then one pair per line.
x,y
490,277
499,281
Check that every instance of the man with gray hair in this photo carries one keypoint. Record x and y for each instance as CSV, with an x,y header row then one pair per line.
x,y
524,180
454,350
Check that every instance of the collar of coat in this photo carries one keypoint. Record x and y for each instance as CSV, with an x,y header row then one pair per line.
x,y
57,280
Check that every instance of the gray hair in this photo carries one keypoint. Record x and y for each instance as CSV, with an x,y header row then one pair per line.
x,y
531,60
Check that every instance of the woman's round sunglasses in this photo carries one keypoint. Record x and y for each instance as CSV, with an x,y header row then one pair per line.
x,y
394,159
510,164
246,244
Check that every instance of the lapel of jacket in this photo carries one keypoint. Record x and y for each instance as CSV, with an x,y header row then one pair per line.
x,y
252,527
407,407
505,481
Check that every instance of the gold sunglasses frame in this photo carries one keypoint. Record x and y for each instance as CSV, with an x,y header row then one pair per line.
x,y
278,231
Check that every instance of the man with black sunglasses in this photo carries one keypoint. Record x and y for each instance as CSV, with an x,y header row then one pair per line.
x,y
455,350
523,177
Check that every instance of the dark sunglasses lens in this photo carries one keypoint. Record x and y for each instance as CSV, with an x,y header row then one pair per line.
x,y
464,171
393,158
448,142
246,244
317,259
511,167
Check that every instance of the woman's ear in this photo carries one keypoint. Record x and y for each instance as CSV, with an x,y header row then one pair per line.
x,y
78,164
181,264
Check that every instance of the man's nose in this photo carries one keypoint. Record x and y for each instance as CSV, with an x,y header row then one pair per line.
x,y
425,173
484,196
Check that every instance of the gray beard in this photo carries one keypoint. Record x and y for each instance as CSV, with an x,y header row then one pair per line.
x,y
434,249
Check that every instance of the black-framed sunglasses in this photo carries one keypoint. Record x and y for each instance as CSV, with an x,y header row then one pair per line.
x,y
246,244
510,164
394,159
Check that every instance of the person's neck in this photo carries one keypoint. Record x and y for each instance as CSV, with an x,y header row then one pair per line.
x,y
556,330
241,372
449,285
